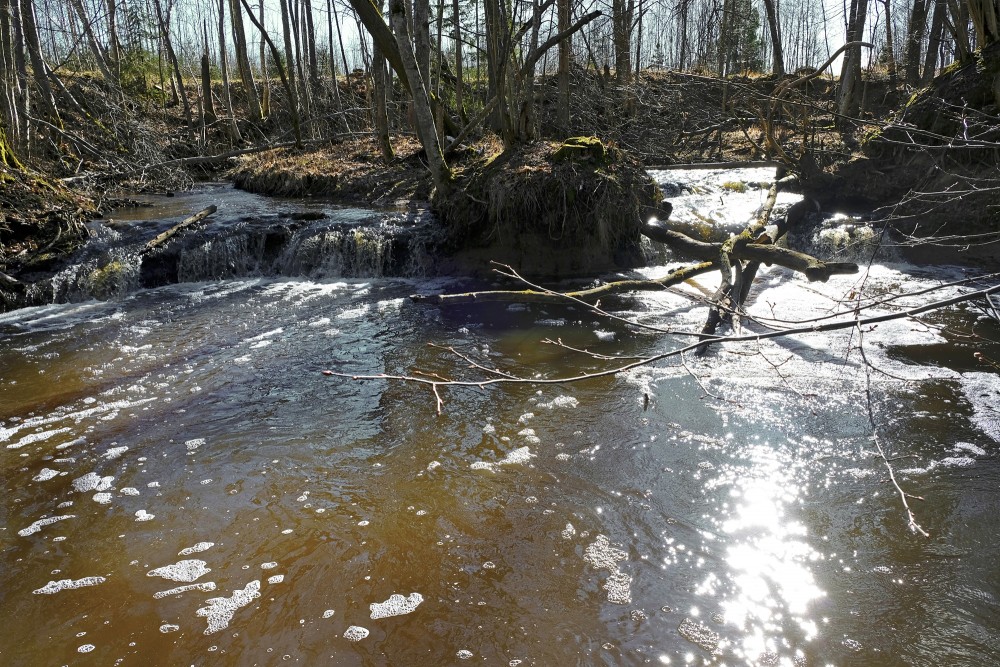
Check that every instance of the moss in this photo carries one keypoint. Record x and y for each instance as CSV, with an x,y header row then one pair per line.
x,y
579,149
734,186
106,280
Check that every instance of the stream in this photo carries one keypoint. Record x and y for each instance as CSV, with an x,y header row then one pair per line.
x,y
182,485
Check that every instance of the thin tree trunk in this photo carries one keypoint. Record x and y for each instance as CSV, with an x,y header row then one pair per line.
x,y
914,41
422,39
890,52
29,31
379,93
100,58
459,83
774,28
243,60
208,105
936,36
311,44
234,130
276,57
265,98
426,128
565,51
850,75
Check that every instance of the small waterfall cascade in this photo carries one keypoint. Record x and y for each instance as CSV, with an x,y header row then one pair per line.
x,y
249,236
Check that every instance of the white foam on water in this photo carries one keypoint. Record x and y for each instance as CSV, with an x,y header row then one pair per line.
x,y
602,556
525,418
64,504
36,437
184,570
67,585
560,402
205,587
568,532
971,448
489,429
41,523
355,633
143,515
268,566
114,453
219,611
276,579
328,613
605,336
197,548
129,491
92,482
396,605
194,443
551,322
102,498
520,455
86,648
464,654
167,627
45,474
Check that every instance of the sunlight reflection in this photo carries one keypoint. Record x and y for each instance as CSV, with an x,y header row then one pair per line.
x,y
769,559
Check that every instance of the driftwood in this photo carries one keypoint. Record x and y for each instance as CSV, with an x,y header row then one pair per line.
x,y
179,227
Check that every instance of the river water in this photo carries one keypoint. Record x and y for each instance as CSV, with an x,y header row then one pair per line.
x,y
182,485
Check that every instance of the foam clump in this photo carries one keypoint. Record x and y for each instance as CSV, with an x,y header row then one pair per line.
x,y
194,444
168,627
206,587
276,579
114,453
102,498
355,633
201,546
143,515
67,584
41,523
602,555
560,402
396,605
92,482
619,588
519,455
184,570
219,611
698,634
44,474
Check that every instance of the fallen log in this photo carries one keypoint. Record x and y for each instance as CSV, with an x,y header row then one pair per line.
x,y
813,268
179,227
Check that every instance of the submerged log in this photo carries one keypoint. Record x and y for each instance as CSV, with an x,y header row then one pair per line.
x,y
179,227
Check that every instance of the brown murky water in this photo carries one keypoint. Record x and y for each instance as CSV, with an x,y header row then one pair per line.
x,y
182,486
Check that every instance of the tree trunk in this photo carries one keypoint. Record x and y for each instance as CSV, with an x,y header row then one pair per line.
x,y
310,38
850,76
890,54
100,57
276,57
426,129
265,97
208,104
114,44
459,83
243,60
234,130
379,93
936,36
777,56
565,50
914,41
422,39
622,13
40,71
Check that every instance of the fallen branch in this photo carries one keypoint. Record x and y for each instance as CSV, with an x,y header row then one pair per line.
x,y
438,381
179,227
